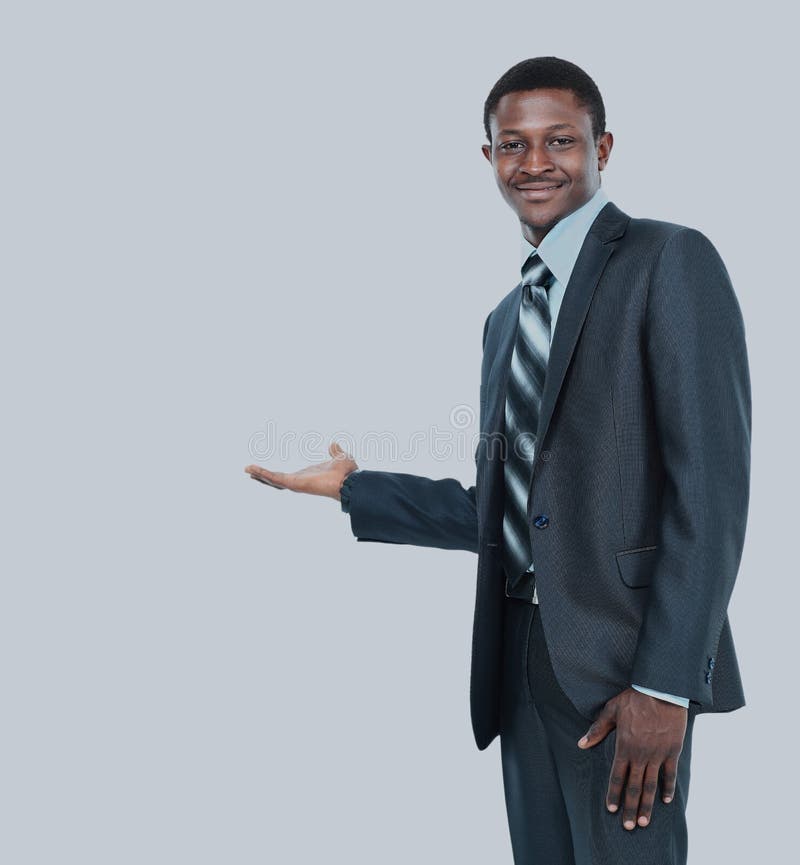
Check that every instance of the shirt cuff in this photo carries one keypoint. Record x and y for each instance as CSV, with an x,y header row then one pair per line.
x,y
345,490
670,698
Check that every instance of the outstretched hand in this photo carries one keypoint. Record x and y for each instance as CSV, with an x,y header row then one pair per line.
x,y
650,734
320,479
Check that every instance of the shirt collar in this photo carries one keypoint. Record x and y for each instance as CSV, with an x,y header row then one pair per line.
x,y
560,247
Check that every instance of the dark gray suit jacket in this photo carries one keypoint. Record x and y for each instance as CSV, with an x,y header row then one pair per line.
x,y
642,471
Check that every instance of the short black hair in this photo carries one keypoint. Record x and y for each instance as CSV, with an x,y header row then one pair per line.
x,y
538,72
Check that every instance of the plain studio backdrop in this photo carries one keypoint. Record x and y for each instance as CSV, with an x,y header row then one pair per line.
x,y
234,232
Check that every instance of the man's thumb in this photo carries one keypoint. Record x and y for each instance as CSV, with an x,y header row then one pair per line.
x,y
334,450
602,726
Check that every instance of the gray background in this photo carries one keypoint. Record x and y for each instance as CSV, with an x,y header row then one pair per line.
x,y
221,219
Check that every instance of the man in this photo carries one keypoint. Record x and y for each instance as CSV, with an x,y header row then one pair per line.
x,y
611,495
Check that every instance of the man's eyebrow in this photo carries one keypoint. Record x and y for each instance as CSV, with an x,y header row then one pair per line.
x,y
550,128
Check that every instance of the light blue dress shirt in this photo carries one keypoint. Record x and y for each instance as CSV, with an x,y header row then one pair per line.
x,y
559,250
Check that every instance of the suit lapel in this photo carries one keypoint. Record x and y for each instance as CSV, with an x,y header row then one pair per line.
x,y
597,248
498,374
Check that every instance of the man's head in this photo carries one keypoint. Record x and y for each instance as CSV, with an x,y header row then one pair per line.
x,y
545,122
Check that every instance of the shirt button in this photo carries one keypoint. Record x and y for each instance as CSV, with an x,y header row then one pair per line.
x,y
544,456
542,521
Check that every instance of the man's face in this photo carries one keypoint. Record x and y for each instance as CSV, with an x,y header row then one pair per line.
x,y
545,159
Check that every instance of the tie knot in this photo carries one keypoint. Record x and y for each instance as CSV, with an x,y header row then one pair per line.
x,y
536,272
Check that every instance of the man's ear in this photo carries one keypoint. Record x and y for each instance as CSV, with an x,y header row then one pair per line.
x,y
604,145
487,151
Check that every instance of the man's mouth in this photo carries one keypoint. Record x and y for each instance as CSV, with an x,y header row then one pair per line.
x,y
537,191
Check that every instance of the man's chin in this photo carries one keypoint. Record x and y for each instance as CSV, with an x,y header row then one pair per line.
x,y
540,220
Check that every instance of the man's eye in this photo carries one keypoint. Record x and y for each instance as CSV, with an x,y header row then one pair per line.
x,y
562,141
510,145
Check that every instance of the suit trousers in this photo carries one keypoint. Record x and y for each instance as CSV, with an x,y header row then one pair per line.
x,y
555,791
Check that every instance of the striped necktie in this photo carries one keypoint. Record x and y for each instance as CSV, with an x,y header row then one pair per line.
x,y
523,400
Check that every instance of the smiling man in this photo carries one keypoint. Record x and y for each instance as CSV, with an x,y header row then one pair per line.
x,y
611,496
547,154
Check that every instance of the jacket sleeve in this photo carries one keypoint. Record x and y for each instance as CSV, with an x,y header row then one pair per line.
x,y
697,367
398,508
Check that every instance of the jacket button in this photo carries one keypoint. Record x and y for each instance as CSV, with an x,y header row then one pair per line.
x,y
544,456
542,521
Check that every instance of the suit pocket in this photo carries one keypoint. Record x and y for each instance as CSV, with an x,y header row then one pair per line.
x,y
636,566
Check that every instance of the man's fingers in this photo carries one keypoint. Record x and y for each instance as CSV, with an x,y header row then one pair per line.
x,y
616,780
601,727
633,794
273,479
669,777
265,481
649,788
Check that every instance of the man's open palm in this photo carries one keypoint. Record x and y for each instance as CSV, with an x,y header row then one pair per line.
x,y
321,479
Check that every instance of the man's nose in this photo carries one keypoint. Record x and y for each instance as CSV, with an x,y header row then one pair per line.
x,y
537,159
